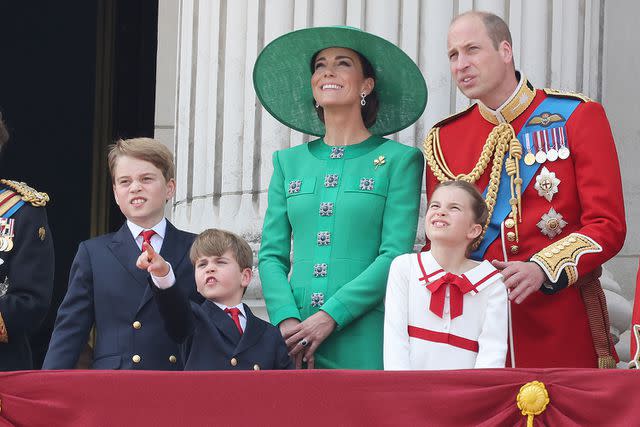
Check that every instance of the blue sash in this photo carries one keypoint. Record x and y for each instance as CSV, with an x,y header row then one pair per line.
x,y
14,208
563,106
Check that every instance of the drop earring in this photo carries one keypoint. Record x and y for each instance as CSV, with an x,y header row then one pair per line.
x,y
363,102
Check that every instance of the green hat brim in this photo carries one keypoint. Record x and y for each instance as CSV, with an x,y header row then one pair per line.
x,y
282,78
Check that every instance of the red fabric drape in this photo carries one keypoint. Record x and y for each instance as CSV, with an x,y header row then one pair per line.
x,y
484,397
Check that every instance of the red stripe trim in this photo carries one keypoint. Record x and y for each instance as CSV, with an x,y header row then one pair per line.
x,y
6,196
444,338
484,279
426,276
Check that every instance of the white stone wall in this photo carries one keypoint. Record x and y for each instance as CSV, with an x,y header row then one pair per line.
x,y
208,113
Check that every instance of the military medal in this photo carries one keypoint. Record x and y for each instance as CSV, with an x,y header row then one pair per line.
x,y
541,156
6,234
563,152
546,184
551,223
552,153
529,158
4,287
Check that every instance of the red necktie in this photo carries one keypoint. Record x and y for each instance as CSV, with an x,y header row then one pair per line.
x,y
458,286
146,237
234,312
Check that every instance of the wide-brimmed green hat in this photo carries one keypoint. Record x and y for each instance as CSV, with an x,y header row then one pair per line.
x,y
282,78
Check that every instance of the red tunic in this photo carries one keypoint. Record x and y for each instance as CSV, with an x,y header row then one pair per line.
x,y
552,330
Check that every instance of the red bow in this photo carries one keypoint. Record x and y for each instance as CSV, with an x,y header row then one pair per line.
x,y
458,286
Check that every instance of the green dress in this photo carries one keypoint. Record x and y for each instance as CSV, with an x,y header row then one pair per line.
x,y
351,211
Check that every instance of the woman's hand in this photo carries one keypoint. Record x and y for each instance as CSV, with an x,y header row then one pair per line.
x,y
288,327
308,335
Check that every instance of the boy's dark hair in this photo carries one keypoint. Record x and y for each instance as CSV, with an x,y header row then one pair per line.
x,y
478,204
215,242
147,149
369,111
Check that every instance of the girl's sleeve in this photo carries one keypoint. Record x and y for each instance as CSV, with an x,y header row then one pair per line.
x,y
492,341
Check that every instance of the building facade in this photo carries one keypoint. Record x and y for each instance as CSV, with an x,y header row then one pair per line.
x,y
208,114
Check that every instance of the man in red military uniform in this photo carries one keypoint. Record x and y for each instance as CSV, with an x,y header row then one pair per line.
x,y
548,165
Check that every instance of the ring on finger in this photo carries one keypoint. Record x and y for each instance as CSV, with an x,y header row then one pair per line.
x,y
303,342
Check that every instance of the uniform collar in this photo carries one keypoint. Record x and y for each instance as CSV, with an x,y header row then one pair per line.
x,y
515,105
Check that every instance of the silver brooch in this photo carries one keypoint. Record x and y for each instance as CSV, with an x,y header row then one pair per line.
x,y
320,270
294,186
366,184
551,223
331,180
324,238
326,209
547,184
336,153
317,299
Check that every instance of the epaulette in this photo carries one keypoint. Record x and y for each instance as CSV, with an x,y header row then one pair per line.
x,y
567,94
453,117
28,194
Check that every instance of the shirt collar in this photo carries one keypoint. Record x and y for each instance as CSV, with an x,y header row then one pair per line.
x,y
515,105
160,228
224,307
480,276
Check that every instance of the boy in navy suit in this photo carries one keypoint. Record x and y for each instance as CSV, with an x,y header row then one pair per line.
x,y
221,333
105,286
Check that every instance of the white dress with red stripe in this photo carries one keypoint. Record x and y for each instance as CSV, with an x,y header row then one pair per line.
x,y
416,338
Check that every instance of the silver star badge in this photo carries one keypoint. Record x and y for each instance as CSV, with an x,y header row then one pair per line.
x,y
547,184
552,223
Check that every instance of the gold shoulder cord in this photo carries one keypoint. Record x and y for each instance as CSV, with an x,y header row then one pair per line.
x,y
28,194
501,139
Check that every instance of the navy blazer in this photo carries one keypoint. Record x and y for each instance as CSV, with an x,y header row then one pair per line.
x,y
209,340
106,288
26,274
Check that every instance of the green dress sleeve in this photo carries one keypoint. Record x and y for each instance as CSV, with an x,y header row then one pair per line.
x,y
400,219
274,258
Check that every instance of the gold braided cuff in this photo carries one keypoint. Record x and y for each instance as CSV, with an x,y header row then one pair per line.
x,y
563,255
4,336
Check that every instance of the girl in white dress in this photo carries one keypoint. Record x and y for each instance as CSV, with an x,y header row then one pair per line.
x,y
443,310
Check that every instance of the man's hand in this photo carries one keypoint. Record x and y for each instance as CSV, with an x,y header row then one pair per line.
x,y
521,278
152,262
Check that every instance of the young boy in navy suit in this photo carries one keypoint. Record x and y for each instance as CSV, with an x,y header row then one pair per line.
x,y
221,333
105,286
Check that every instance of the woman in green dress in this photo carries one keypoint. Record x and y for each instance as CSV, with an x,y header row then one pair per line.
x,y
349,200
